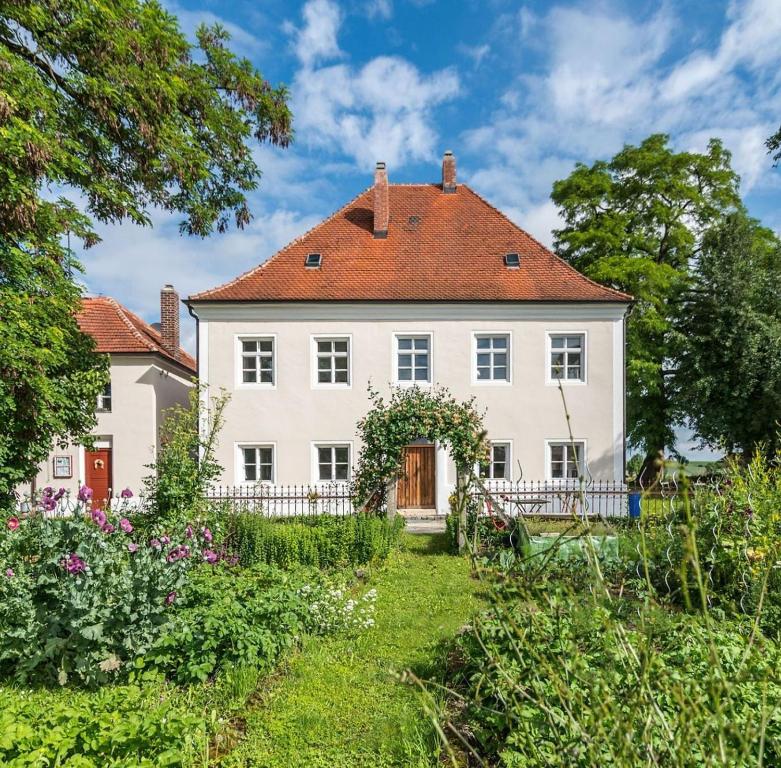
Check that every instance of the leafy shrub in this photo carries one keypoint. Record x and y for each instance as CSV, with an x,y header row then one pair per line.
x,y
249,618
321,542
554,677
80,596
117,726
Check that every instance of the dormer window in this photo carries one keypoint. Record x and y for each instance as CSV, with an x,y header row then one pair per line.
x,y
313,261
512,261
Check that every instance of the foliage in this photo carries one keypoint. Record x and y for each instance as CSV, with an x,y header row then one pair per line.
x,y
113,728
81,597
111,101
557,677
411,414
774,145
635,223
728,379
232,617
322,542
186,466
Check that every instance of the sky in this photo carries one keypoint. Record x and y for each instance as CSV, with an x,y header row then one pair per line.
x,y
519,91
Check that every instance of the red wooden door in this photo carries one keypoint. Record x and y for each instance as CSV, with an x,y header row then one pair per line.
x,y
98,475
416,488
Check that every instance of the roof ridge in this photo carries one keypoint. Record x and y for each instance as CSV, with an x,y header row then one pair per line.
x,y
531,237
150,345
282,250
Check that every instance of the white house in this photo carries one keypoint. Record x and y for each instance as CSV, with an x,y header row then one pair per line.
x,y
149,373
414,284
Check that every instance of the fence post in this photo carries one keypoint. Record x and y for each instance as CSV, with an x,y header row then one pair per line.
x,y
391,496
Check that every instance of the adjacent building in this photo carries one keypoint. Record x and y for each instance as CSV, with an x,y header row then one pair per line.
x,y
414,285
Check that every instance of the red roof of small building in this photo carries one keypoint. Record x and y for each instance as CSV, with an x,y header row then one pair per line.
x,y
440,247
116,329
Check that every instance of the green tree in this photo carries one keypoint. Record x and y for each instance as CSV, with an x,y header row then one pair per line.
x,y
636,223
774,145
729,373
109,103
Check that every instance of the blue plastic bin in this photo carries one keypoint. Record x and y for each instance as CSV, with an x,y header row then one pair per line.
x,y
634,505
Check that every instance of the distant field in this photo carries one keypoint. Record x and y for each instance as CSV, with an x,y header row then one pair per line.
x,y
693,468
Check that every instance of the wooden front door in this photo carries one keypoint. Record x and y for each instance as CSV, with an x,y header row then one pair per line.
x,y
417,483
98,475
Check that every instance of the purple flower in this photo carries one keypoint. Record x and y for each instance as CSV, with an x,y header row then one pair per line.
x,y
165,540
132,547
48,492
170,597
188,532
126,494
9,573
85,493
210,557
173,555
207,534
108,528
99,517
59,494
155,544
48,503
73,564
125,525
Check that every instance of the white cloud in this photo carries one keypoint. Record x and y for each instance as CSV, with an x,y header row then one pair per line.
x,y
317,40
380,8
381,111
475,52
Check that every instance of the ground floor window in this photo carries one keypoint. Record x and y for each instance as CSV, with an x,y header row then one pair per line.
x,y
258,463
498,465
333,463
565,460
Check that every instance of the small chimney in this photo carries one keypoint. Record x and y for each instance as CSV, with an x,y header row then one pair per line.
x,y
381,208
169,320
449,172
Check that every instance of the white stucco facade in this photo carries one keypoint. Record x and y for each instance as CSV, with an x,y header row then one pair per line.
x,y
294,414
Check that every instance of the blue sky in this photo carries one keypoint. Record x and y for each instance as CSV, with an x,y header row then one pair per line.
x,y
520,91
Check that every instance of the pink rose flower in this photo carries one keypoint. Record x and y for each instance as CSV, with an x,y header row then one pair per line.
x,y
13,523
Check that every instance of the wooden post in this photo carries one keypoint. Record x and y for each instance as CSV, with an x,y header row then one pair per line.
x,y
461,507
391,496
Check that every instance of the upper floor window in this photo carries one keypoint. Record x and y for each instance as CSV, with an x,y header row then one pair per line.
x,y
413,359
498,465
492,357
333,463
333,361
258,463
565,460
567,357
257,361
104,399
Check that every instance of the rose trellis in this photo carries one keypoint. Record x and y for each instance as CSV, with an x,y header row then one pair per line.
x,y
410,414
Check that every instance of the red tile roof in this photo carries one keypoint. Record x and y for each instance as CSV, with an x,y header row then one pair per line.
x,y
440,247
116,329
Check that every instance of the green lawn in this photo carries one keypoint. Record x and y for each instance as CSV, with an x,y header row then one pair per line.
x,y
339,703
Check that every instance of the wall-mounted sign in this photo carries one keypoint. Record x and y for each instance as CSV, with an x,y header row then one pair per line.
x,y
63,466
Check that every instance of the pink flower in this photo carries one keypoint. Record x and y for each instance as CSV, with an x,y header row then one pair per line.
x,y
165,540
170,597
155,544
126,494
188,532
73,564
9,573
99,517
207,534
13,523
85,493
108,528
132,547
125,525
210,557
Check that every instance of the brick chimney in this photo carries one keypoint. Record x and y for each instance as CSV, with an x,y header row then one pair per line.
x,y
449,172
169,319
381,207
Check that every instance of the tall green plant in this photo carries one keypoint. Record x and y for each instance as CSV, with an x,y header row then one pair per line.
x,y
186,465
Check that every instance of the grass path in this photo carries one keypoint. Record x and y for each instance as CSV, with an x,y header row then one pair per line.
x,y
339,704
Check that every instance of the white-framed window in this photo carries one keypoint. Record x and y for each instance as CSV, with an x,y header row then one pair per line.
x,y
566,459
332,462
257,463
567,357
257,360
498,465
491,358
413,358
332,360
104,399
